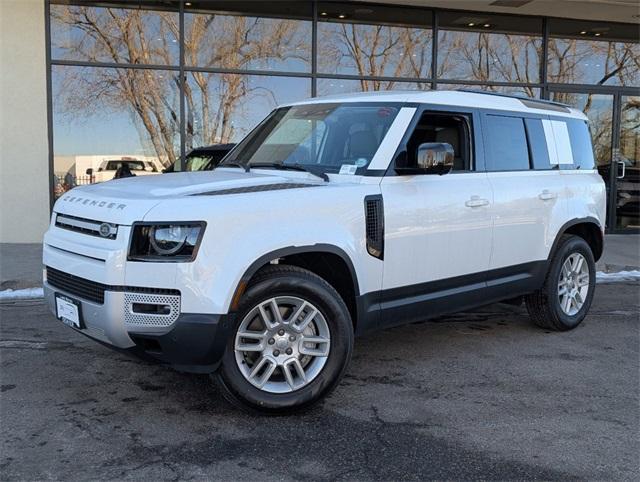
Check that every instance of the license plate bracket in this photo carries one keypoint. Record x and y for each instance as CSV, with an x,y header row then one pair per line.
x,y
69,311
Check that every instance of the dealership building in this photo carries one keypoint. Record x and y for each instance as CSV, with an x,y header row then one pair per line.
x,y
84,83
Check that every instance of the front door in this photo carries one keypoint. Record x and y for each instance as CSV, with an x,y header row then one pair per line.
x,y
437,227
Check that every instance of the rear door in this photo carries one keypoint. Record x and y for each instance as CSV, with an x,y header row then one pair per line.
x,y
529,192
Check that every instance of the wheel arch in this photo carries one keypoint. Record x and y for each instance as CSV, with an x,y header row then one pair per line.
x,y
589,229
328,261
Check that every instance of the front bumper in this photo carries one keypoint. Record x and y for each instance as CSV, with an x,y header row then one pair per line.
x,y
190,342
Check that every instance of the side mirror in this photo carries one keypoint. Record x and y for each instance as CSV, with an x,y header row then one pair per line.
x,y
90,172
431,158
435,157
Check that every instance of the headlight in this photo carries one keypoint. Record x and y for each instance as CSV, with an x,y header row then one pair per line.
x,y
165,241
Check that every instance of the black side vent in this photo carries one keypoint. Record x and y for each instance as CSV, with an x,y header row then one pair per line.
x,y
374,218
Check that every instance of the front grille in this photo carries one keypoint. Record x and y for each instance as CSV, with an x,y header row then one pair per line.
x,y
94,291
74,285
87,226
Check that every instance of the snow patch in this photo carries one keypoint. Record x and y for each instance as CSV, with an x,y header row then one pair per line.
x,y
24,294
617,277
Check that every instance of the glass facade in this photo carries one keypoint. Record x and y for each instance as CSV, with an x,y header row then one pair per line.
x,y
150,80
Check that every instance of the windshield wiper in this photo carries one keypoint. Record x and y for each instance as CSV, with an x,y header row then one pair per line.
x,y
294,167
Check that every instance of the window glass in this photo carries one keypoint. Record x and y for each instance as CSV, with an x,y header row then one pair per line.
x,y
581,144
506,143
223,108
582,52
247,43
323,136
116,35
485,47
105,114
346,86
599,110
538,144
369,40
451,129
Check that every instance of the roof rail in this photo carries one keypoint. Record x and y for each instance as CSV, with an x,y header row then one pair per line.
x,y
533,103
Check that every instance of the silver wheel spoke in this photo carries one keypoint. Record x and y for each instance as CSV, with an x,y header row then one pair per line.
x,y
321,347
308,318
275,319
578,264
262,371
250,335
583,279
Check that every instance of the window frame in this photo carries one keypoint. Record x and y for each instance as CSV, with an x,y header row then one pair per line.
x,y
474,135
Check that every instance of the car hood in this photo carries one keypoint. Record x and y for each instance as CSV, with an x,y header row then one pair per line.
x,y
124,201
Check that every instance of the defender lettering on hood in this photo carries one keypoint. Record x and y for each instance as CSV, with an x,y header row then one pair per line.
x,y
93,202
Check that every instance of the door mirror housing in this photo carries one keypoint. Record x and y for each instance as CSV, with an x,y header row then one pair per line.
x,y
89,172
431,158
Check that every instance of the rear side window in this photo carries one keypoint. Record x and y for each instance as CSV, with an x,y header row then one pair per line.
x,y
538,145
506,143
581,144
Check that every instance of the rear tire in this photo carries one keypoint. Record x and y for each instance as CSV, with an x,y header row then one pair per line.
x,y
290,345
564,299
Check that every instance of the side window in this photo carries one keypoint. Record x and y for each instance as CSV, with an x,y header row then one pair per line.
x,y
581,144
540,159
506,143
454,129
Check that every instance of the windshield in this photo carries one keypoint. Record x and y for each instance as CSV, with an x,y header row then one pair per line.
x,y
332,137
133,165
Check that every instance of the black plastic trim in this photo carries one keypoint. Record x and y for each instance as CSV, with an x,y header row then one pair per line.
x,y
291,250
563,229
195,344
374,234
418,302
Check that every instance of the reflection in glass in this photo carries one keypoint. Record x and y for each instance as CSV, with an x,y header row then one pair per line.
x,y
484,56
223,108
573,61
249,43
347,86
628,180
104,114
599,110
373,50
520,91
116,35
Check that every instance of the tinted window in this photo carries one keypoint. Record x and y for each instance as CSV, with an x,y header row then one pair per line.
x,y
506,143
581,144
538,144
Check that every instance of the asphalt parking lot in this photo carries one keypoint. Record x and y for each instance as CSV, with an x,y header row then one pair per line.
x,y
477,395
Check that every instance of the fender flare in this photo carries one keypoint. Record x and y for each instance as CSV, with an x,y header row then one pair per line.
x,y
288,251
563,229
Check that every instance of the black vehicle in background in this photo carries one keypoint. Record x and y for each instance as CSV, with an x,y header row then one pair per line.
x,y
204,158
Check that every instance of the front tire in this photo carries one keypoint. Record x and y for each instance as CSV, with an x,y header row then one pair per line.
x,y
564,299
291,342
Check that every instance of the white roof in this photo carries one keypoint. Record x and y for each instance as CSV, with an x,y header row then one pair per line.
x,y
446,97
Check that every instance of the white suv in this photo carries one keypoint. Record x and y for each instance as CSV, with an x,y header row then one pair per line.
x,y
334,217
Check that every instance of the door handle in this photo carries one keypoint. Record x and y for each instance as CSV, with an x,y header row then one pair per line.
x,y
624,170
476,202
547,195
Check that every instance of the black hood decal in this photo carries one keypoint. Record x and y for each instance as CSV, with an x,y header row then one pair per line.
x,y
262,188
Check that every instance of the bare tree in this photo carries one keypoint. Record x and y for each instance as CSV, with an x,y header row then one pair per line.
x,y
133,36
375,51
